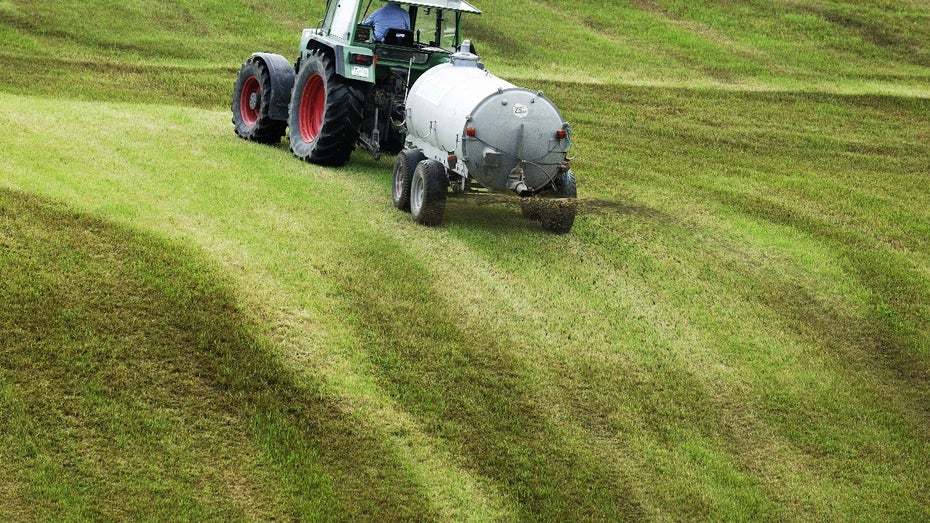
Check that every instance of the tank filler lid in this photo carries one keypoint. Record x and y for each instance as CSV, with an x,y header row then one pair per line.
x,y
466,59
455,5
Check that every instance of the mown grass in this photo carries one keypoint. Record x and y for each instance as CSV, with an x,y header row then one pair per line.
x,y
681,354
186,52
835,46
736,328
148,51
133,388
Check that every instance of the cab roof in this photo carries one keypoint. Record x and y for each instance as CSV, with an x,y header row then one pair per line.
x,y
454,5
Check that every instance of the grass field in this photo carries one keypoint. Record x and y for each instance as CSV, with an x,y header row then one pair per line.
x,y
737,327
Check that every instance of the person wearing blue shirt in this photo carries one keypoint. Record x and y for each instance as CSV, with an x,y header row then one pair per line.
x,y
391,16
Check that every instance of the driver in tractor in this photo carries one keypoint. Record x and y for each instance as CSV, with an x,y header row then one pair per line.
x,y
391,16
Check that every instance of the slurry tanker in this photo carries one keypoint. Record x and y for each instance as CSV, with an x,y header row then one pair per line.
x,y
470,131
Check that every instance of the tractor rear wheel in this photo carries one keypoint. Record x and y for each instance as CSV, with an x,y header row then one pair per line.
x,y
325,113
404,166
558,215
251,101
428,190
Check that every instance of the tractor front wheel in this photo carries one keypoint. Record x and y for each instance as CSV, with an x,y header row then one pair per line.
x,y
251,101
325,113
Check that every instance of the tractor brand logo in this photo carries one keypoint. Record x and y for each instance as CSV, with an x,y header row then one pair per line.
x,y
521,111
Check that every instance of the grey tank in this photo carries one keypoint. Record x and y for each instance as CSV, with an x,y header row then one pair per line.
x,y
481,127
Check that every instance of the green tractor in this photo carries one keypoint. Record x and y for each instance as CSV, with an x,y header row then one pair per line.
x,y
346,89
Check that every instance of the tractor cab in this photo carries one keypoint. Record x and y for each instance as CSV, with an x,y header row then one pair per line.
x,y
435,32
432,25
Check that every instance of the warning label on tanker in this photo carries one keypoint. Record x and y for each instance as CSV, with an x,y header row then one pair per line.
x,y
521,111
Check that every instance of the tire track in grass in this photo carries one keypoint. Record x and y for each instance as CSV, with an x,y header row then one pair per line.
x,y
129,374
572,402
719,433
208,197
470,390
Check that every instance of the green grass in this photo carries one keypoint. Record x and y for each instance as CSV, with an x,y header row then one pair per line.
x,y
133,388
830,46
736,328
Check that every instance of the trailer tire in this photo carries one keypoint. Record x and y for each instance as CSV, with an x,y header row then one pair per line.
x,y
325,113
251,104
404,166
558,215
428,190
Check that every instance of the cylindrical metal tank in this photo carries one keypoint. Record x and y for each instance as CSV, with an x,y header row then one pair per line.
x,y
505,137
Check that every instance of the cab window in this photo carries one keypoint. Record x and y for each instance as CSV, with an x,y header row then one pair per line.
x,y
343,19
448,34
437,28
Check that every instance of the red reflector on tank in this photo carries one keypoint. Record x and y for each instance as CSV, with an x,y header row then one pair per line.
x,y
470,131
561,134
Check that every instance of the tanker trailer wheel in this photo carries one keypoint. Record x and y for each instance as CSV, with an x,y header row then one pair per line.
x,y
558,215
428,190
325,113
404,166
251,100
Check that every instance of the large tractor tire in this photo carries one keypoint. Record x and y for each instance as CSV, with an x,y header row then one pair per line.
x,y
558,215
404,166
428,190
325,113
260,96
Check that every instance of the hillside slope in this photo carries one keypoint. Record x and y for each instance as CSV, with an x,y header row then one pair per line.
x,y
186,51
738,326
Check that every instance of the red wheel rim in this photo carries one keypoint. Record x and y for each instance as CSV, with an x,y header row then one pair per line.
x,y
250,87
312,105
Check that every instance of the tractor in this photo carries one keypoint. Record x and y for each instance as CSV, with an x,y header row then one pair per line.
x,y
346,89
